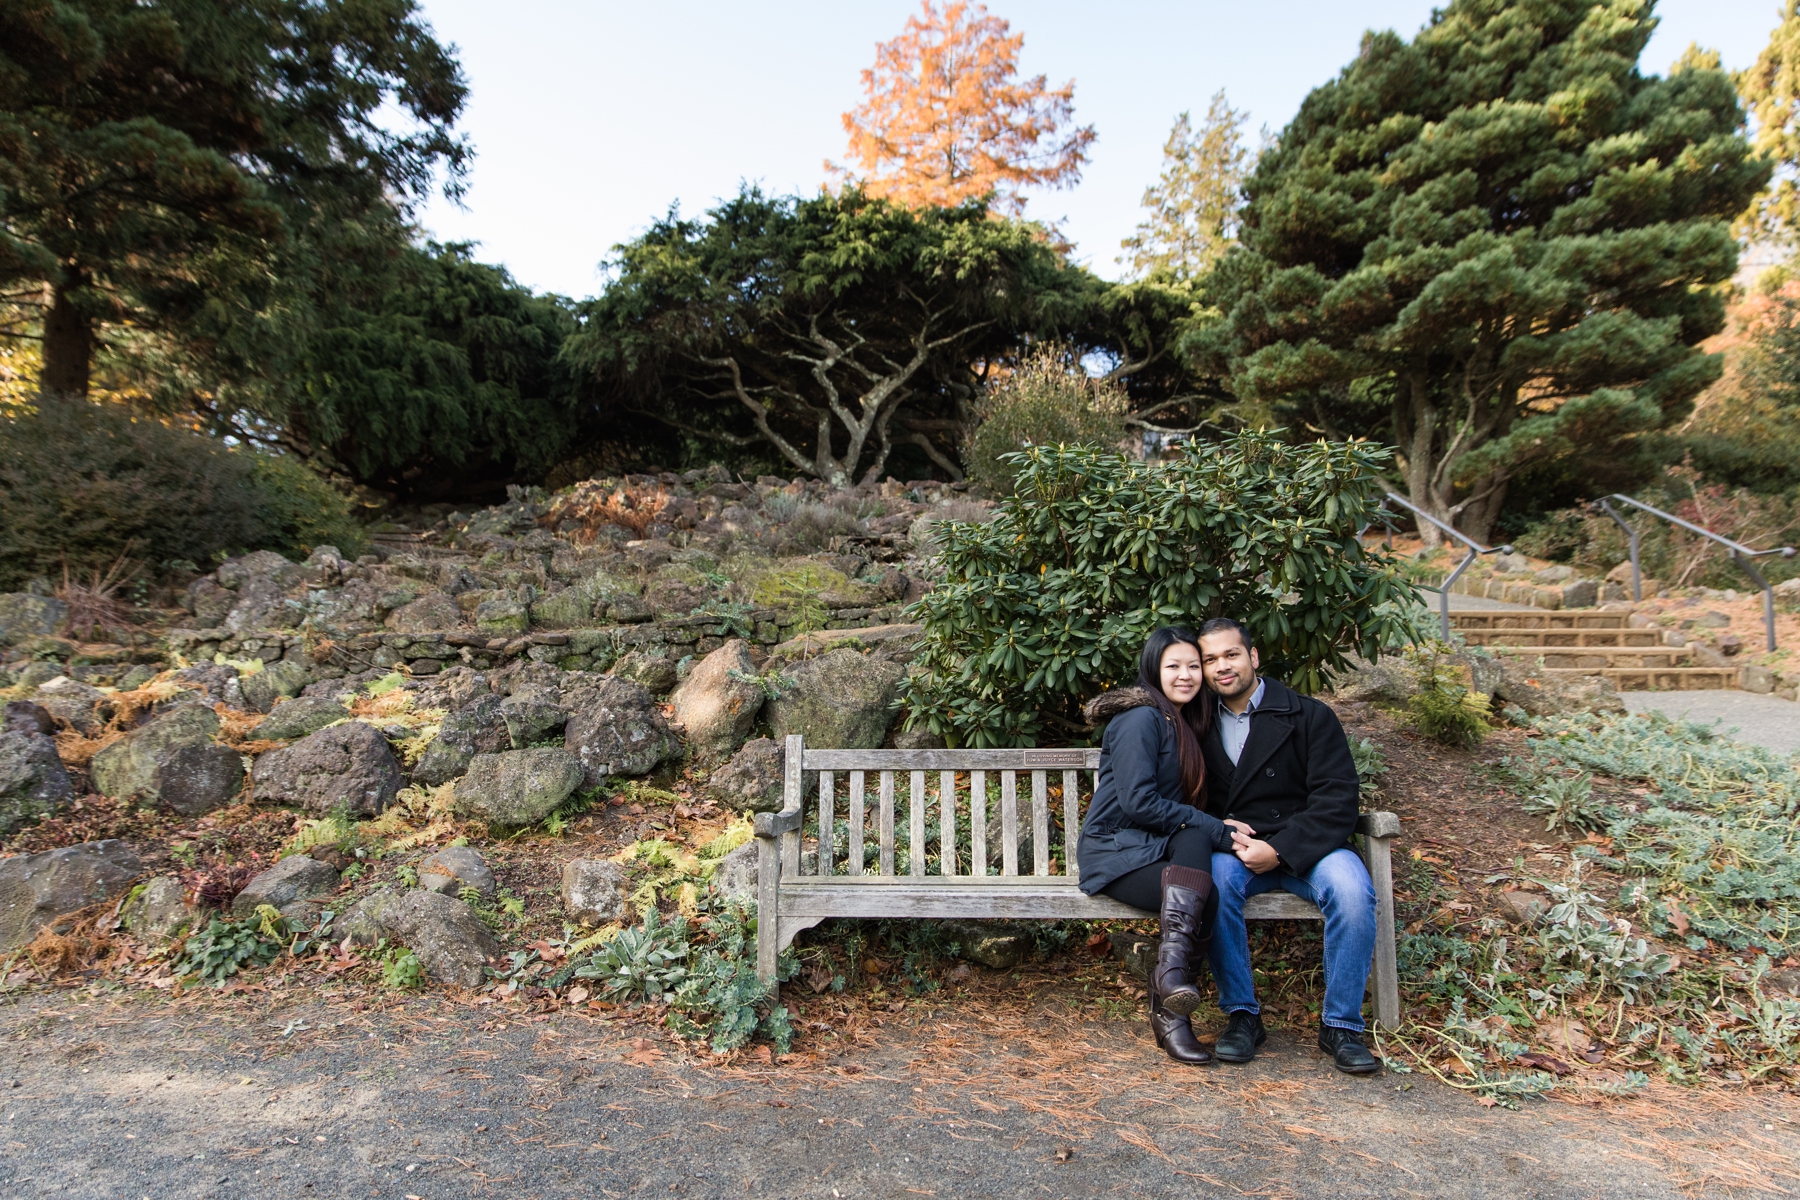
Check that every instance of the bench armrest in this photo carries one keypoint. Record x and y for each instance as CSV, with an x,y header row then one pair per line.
x,y
769,825
1375,824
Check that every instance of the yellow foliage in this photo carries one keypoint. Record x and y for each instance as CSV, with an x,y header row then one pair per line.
x,y
945,118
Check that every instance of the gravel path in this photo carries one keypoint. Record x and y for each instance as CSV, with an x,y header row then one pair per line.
x,y
1761,720
430,1099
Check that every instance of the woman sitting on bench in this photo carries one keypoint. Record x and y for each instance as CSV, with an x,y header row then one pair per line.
x,y
1146,841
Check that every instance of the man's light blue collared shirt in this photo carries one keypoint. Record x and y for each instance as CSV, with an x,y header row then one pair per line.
x,y
1234,730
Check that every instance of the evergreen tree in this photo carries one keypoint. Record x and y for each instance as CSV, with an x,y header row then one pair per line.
x,y
1192,208
162,163
1500,235
1771,90
445,384
828,329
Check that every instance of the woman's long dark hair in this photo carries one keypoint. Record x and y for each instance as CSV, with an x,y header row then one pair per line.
x,y
1191,720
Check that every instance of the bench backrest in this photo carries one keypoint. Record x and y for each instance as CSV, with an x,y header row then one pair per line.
x,y
966,813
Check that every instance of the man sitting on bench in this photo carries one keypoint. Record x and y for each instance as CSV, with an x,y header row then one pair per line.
x,y
1279,772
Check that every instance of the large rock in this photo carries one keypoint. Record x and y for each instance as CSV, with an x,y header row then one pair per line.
x,y
719,700
348,765
504,616
277,681
24,616
594,890
300,716
653,671
451,942
33,782
36,889
615,729
454,868
172,759
1397,678
479,727
753,779
531,716
22,716
158,911
735,875
72,702
288,885
1542,694
997,945
433,612
897,642
842,699
518,787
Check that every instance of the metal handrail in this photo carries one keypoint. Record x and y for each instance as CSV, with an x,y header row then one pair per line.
x,y
1740,554
1476,550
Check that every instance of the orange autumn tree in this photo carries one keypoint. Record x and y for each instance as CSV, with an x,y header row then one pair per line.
x,y
946,118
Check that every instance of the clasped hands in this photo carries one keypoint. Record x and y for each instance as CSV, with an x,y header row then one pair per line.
x,y
1251,850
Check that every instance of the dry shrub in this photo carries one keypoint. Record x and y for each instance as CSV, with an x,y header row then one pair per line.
x,y
596,503
77,749
81,944
95,605
218,885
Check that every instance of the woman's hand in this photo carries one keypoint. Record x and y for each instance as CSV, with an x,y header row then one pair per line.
x,y
1241,828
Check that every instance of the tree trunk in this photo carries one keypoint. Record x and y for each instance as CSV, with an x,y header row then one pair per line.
x,y
1420,419
68,347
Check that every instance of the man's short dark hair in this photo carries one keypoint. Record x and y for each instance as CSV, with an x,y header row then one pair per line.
x,y
1226,624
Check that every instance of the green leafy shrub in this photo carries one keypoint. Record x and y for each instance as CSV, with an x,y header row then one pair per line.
x,y
1047,401
1446,708
1371,765
402,970
86,484
1051,601
224,947
641,963
721,998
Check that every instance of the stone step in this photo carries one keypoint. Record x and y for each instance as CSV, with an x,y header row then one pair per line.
x,y
1563,638
1660,679
1594,658
1539,620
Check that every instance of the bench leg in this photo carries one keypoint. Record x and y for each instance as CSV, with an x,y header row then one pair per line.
x,y
768,908
1387,962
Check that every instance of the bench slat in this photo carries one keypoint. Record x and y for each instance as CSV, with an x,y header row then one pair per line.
x,y
1040,823
1009,822
1071,822
998,898
978,824
947,822
827,822
853,859
887,823
915,825
1080,758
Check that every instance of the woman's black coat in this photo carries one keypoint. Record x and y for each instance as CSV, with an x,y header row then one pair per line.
x,y
1138,803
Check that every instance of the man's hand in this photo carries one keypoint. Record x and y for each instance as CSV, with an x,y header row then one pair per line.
x,y
1254,853
1239,825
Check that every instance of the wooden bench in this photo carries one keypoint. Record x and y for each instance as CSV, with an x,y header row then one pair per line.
x,y
962,887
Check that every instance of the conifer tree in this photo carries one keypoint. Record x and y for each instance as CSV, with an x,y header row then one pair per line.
x,y
1500,235
1192,208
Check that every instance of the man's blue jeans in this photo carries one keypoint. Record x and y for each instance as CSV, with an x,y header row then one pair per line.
x,y
1339,885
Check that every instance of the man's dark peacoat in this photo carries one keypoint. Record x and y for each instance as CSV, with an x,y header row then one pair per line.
x,y
1294,783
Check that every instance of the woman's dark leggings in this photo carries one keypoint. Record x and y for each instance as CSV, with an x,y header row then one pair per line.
x,y
1142,888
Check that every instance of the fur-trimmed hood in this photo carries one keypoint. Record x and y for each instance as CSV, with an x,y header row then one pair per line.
x,y
1107,705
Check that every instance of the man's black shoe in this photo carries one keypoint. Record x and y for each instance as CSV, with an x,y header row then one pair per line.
x,y
1347,1050
1242,1036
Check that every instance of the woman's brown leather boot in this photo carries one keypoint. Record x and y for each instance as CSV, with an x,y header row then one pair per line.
x,y
1185,937
1175,1035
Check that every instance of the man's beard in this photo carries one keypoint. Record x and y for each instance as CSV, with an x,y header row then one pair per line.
x,y
1245,683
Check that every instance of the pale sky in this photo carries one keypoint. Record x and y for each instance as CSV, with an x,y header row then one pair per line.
x,y
590,117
